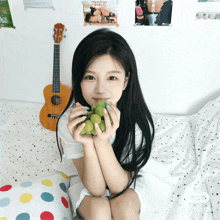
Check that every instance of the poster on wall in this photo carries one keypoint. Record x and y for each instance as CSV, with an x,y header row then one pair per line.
x,y
153,12
38,4
5,15
208,10
100,13
209,0
207,15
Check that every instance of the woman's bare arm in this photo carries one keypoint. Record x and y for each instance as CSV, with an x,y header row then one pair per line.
x,y
90,172
116,177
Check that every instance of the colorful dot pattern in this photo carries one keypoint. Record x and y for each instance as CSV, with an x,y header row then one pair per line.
x,y
45,200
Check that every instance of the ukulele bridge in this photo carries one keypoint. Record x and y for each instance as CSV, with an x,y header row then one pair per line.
x,y
53,116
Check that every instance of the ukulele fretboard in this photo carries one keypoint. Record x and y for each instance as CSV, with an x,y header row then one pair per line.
x,y
56,69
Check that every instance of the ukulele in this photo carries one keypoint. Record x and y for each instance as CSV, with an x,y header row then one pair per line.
x,y
56,95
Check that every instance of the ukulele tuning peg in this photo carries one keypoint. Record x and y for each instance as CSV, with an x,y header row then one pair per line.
x,y
65,29
64,36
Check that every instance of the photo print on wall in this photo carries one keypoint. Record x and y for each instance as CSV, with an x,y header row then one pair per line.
x,y
209,0
208,15
45,4
208,11
100,13
153,12
5,15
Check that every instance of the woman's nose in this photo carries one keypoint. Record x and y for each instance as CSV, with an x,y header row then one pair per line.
x,y
101,86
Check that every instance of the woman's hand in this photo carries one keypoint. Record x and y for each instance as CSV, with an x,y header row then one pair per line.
x,y
74,119
110,129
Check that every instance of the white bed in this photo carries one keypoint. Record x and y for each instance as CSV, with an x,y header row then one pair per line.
x,y
185,158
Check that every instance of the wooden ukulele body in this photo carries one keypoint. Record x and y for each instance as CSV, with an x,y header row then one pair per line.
x,y
56,95
55,103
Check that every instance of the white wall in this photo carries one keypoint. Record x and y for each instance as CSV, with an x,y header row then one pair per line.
x,y
178,66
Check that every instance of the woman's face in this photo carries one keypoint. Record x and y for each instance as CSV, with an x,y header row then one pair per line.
x,y
104,79
94,19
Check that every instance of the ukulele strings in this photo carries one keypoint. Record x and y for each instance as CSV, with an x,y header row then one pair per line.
x,y
55,77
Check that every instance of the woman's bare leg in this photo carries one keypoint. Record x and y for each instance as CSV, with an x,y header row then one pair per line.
x,y
94,208
126,206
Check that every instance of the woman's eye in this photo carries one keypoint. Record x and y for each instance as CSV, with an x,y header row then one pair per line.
x,y
87,77
112,77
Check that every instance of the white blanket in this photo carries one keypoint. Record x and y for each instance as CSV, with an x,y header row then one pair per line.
x,y
182,174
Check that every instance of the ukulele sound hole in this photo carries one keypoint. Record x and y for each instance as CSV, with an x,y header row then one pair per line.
x,y
55,100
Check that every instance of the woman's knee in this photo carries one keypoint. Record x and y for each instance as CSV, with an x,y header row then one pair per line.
x,y
126,202
94,208
99,203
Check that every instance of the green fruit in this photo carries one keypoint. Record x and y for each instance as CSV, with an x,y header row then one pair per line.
x,y
99,111
94,132
83,131
89,114
89,126
102,126
96,119
94,106
101,103
95,116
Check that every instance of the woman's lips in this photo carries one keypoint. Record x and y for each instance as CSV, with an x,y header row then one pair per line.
x,y
97,100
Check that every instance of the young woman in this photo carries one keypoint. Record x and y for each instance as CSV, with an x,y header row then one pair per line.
x,y
108,163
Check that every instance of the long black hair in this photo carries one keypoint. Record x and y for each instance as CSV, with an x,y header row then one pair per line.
x,y
131,104
92,10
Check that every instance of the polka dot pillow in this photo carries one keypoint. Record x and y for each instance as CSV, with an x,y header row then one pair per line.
x,y
43,199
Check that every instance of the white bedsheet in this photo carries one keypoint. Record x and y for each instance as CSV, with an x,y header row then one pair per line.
x,y
182,174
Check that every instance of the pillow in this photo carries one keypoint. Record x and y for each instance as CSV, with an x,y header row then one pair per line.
x,y
43,199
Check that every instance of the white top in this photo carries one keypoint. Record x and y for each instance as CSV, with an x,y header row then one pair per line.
x,y
73,149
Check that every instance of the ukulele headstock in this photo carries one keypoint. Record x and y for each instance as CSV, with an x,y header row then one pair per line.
x,y
58,33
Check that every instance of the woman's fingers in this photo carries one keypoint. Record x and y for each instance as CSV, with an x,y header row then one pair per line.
x,y
77,111
115,115
107,120
72,125
116,110
75,117
79,129
78,104
98,130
